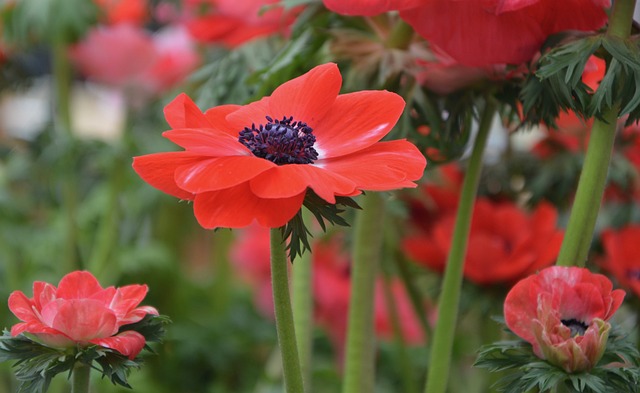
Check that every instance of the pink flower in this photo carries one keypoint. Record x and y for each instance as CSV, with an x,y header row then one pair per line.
x,y
563,312
80,312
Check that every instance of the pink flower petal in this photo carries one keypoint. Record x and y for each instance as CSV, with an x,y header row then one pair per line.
x,y
128,343
78,285
80,319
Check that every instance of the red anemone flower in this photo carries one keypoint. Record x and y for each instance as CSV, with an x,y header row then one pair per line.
x,y
562,313
80,312
255,162
478,33
622,256
505,243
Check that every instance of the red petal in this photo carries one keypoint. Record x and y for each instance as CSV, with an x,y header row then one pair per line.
x,y
238,207
356,121
250,114
369,7
80,319
159,170
43,293
217,117
128,343
44,333
206,142
289,180
381,167
182,112
127,298
520,308
78,285
309,97
137,315
220,173
22,307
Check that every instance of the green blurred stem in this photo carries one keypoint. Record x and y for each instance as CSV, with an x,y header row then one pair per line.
x,y
442,341
284,315
302,300
223,274
62,86
80,378
368,234
584,212
401,35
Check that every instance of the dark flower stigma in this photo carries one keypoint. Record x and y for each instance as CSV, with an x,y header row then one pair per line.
x,y
577,327
281,141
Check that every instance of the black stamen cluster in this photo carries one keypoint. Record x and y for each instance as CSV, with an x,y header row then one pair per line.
x,y
281,141
577,327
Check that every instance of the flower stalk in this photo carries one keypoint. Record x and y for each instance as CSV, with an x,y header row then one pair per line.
x,y
359,358
302,301
582,221
440,358
80,378
284,315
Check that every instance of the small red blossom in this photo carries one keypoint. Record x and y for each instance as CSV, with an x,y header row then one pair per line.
x,y
256,162
479,33
235,22
124,11
79,312
563,312
505,243
622,256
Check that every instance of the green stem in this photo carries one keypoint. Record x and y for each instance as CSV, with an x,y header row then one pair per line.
x,y
584,212
284,316
302,301
223,274
401,35
62,87
368,234
442,341
80,378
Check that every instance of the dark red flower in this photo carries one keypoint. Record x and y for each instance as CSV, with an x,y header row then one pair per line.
x,y
255,162
622,256
505,243
235,22
80,312
562,313
478,33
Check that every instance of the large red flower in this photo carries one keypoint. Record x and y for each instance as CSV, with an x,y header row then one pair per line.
x,y
80,312
622,256
235,22
256,162
478,33
505,243
562,312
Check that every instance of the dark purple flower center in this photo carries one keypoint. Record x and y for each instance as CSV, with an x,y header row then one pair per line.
x,y
281,141
577,327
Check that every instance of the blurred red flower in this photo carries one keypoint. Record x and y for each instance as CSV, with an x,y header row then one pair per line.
x,y
124,11
255,162
127,56
80,312
235,22
505,243
331,287
622,256
478,33
562,313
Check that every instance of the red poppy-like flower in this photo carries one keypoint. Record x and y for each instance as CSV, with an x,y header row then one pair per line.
x,y
127,56
80,312
505,243
235,22
563,312
478,33
622,256
124,11
255,162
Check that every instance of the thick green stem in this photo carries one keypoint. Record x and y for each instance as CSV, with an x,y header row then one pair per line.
x,y
80,378
62,87
586,205
302,300
284,315
368,233
443,334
